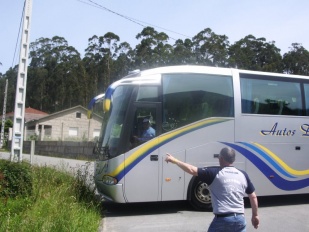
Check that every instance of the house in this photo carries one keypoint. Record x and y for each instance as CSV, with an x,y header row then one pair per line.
x,y
67,125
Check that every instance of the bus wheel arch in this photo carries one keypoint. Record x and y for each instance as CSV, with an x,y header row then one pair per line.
x,y
199,195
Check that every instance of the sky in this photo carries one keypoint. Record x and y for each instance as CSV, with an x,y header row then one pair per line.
x,y
282,21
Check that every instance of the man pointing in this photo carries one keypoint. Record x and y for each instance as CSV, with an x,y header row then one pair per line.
x,y
228,186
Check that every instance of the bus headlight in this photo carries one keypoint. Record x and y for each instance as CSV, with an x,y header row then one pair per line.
x,y
109,180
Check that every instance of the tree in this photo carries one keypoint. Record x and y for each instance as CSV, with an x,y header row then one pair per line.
x,y
0,72
39,96
52,80
183,53
11,76
153,50
163,50
296,61
255,54
8,124
92,62
109,46
211,49
124,62
101,54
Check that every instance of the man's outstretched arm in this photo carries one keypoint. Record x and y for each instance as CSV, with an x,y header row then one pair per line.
x,y
184,166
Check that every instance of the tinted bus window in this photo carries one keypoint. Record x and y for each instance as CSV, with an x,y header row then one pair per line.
x,y
191,97
270,96
306,87
147,94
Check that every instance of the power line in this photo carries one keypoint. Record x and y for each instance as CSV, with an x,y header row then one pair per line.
x,y
136,21
21,20
106,9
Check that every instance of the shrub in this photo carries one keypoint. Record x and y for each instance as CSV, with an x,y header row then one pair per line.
x,y
15,179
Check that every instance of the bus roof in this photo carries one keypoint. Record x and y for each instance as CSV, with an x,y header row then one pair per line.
x,y
203,69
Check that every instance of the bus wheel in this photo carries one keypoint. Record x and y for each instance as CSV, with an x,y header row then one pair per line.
x,y
200,196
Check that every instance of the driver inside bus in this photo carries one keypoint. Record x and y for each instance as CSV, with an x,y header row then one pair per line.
x,y
147,133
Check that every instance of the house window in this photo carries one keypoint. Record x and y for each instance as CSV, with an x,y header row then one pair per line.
x,y
73,131
48,130
78,115
96,133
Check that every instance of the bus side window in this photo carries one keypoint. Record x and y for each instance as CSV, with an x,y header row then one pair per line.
x,y
223,107
272,96
306,87
192,97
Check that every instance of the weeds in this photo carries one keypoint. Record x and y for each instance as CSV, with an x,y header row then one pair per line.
x,y
15,179
59,201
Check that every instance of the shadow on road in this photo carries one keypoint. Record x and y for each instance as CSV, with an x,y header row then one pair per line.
x,y
271,201
110,209
133,209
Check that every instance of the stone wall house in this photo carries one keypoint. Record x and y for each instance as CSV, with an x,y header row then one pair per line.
x,y
68,125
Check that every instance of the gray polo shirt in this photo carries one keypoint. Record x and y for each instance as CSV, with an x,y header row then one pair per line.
x,y
228,186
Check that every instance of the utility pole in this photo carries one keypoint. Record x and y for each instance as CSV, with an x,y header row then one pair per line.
x,y
4,113
20,97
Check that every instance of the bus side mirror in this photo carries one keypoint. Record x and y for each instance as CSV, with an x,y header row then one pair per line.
x,y
106,105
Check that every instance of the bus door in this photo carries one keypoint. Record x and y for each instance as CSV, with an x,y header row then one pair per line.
x,y
142,160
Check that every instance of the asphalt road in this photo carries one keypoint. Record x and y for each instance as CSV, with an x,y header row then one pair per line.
x,y
277,214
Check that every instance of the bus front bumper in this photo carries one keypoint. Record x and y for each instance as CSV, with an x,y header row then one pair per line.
x,y
111,192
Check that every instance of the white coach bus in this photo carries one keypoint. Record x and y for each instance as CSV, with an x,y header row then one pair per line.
x,y
195,111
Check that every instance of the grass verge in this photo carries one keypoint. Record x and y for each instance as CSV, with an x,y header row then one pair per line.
x,y
59,202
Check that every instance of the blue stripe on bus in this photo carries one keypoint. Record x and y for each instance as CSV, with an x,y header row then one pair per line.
x,y
269,159
276,179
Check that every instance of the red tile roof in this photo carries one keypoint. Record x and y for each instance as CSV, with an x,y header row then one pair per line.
x,y
30,114
30,110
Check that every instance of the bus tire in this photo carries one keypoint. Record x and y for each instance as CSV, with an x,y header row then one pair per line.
x,y
199,195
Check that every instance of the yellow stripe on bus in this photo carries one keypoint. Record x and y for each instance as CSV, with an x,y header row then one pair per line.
x,y
282,163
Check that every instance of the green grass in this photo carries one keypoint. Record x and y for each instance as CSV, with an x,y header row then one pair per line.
x,y
59,202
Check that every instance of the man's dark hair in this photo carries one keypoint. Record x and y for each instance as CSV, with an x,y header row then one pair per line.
x,y
228,154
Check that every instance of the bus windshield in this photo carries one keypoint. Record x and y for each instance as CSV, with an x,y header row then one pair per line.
x,y
113,120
